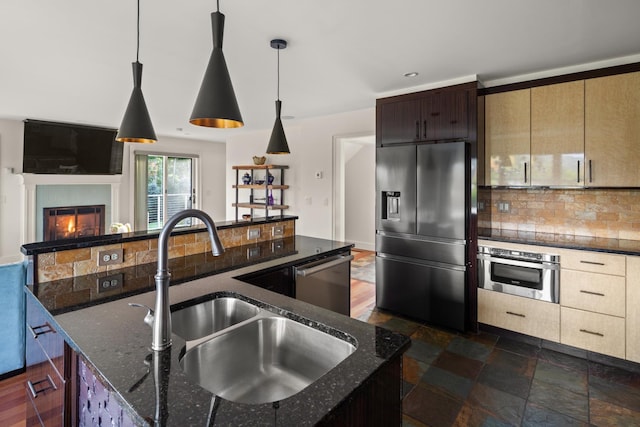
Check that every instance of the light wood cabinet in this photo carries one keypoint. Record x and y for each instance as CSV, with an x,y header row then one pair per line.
x,y
508,138
557,134
591,261
633,308
593,331
612,130
601,293
524,315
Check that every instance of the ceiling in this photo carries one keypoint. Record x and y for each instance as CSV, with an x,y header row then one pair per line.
x,y
70,60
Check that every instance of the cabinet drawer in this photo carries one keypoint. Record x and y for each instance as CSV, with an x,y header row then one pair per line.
x,y
44,389
41,330
595,262
524,315
593,331
600,293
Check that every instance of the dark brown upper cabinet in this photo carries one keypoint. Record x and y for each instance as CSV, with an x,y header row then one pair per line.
x,y
433,115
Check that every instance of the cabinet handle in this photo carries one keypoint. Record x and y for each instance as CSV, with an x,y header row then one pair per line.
x,y
591,332
592,293
417,129
515,314
425,129
525,172
36,331
590,171
578,172
35,392
592,262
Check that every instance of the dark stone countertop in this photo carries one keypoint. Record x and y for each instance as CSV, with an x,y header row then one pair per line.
x,y
109,239
112,337
599,244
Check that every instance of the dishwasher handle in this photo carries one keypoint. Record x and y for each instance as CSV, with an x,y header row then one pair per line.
x,y
308,271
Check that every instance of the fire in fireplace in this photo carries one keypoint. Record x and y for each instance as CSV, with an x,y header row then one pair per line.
x,y
73,221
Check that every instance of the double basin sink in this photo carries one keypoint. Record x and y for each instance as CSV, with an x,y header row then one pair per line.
x,y
247,354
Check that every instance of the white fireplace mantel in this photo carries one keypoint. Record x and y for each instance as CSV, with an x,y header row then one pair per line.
x,y
30,181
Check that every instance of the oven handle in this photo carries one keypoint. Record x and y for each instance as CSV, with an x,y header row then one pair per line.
x,y
518,263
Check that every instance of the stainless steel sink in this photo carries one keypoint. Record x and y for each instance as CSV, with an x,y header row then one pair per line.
x,y
264,360
206,318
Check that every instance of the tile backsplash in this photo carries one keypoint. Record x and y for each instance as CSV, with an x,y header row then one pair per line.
x,y
610,213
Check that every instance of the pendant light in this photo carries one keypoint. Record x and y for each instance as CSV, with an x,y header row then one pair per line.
x,y
136,124
216,104
278,141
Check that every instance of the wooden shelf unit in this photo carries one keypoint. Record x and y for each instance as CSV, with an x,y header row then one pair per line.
x,y
266,187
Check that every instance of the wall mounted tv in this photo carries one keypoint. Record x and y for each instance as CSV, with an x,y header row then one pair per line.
x,y
70,149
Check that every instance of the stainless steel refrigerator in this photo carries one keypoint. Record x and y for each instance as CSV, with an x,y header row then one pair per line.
x,y
422,224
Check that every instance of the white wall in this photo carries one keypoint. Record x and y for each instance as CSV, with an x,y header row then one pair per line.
x,y
311,145
11,202
212,181
360,195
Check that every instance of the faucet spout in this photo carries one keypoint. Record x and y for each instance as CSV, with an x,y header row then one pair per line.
x,y
162,316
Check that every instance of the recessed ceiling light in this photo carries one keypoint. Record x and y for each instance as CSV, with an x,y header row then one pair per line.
x,y
411,74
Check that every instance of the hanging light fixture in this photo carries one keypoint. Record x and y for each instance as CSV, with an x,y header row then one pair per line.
x,y
216,104
278,141
136,124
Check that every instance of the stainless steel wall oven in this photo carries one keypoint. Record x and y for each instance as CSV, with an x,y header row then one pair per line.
x,y
526,274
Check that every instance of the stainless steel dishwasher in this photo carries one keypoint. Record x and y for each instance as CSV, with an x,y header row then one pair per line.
x,y
326,282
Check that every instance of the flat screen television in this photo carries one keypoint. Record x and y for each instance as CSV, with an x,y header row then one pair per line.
x,y
70,149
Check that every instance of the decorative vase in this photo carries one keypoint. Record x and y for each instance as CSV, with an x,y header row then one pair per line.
x,y
246,178
270,178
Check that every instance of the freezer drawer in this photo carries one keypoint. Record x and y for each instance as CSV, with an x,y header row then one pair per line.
x,y
326,283
413,246
428,292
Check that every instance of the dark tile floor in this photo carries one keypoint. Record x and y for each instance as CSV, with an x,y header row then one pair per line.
x,y
454,379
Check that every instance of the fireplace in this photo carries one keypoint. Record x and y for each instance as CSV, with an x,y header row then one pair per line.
x,y
73,221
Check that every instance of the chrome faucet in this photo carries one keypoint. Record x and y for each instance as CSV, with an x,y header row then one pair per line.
x,y
161,322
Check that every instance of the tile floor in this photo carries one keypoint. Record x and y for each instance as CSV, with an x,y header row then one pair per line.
x,y
454,379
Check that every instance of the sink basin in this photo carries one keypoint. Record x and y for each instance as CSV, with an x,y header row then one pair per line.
x,y
264,360
206,318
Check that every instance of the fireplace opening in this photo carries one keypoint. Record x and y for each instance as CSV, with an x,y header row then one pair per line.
x,y
73,221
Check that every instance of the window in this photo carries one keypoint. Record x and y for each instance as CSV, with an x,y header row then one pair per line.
x,y
165,185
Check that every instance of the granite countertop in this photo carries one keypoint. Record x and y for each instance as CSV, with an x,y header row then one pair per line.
x,y
112,337
599,244
107,239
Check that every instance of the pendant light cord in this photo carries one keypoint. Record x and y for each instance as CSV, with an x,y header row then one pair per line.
x,y
218,5
138,35
278,85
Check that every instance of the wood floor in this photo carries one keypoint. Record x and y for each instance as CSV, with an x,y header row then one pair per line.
x,y
12,391
12,402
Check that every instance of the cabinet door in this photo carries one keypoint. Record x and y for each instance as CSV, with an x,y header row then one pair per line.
x,y
398,122
557,134
445,115
612,130
507,137
633,314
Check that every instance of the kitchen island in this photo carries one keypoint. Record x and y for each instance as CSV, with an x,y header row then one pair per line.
x,y
110,342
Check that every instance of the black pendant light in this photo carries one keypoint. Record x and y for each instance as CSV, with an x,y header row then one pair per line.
x,y
216,104
278,141
136,124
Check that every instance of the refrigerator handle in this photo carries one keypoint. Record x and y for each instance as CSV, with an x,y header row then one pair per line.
x,y
525,172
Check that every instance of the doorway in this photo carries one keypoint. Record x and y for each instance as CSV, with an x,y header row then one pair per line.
x,y
354,189
165,185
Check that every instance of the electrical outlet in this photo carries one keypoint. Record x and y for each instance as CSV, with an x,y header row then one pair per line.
x,y
504,207
277,230
277,245
111,257
253,233
253,252
109,283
